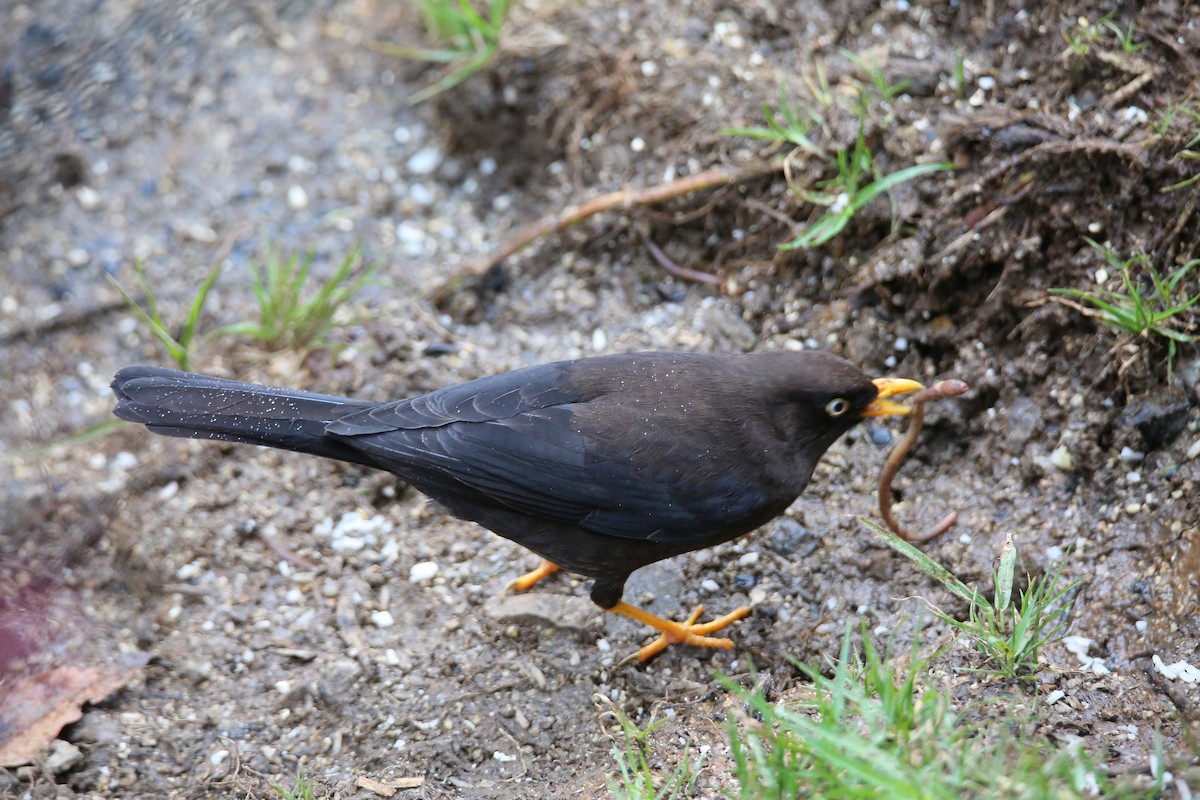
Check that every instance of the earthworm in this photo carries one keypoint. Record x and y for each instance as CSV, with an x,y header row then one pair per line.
x,y
939,391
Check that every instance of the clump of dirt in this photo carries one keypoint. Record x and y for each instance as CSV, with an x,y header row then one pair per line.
x,y
313,614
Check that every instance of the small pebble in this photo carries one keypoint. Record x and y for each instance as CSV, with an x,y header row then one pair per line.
x,y
1136,115
297,198
408,233
1061,458
1193,452
748,559
1130,456
879,435
1179,671
603,646
420,194
1133,477
710,586
382,619
1055,696
1141,625
63,757
88,198
422,571
353,531
424,162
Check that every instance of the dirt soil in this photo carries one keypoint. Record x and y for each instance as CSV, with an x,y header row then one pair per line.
x,y
176,133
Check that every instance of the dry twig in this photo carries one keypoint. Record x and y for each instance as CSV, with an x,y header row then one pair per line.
x,y
625,198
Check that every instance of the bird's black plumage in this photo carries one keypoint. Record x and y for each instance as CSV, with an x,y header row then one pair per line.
x,y
600,465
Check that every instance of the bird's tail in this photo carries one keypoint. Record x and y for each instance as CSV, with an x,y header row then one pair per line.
x,y
193,406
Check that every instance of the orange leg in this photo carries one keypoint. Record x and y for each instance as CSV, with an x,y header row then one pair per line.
x,y
526,581
686,632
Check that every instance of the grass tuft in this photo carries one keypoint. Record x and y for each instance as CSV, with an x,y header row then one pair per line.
x,y
287,319
1010,635
788,123
637,779
303,788
855,184
1151,306
855,181
179,347
876,729
287,316
472,40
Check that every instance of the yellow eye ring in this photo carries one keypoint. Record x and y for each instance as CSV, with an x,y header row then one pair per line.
x,y
837,407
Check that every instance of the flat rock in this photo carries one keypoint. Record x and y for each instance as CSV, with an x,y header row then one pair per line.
x,y
552,610
63,757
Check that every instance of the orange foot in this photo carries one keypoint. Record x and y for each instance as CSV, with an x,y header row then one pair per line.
x,y
686,632
526,582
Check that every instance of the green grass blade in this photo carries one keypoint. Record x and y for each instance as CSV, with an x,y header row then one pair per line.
x,y
817,234
927,564
1173,334
175,350
197,306
881,185
436,56
1004,575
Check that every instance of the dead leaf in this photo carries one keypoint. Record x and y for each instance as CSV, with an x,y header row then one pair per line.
x,y
34,708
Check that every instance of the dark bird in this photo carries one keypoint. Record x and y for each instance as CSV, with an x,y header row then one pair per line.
x,y
599,465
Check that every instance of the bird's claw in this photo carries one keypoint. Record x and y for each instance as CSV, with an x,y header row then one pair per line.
x,y
689,632
523,583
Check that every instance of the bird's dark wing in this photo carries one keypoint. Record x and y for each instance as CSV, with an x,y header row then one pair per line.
x,y
483,400
512,441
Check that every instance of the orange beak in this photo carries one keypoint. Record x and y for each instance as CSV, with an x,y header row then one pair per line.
x,y
890,387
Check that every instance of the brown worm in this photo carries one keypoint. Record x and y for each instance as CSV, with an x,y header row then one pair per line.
x,y
939,391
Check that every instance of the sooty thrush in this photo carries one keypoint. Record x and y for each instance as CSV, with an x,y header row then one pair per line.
x,y
599,465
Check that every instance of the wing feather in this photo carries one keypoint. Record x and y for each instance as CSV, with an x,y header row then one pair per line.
x,y
514,441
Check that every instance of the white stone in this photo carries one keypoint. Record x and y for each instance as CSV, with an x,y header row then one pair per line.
x,y
423,571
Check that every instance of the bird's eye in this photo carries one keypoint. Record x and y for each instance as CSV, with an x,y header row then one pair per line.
x,y
835,408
